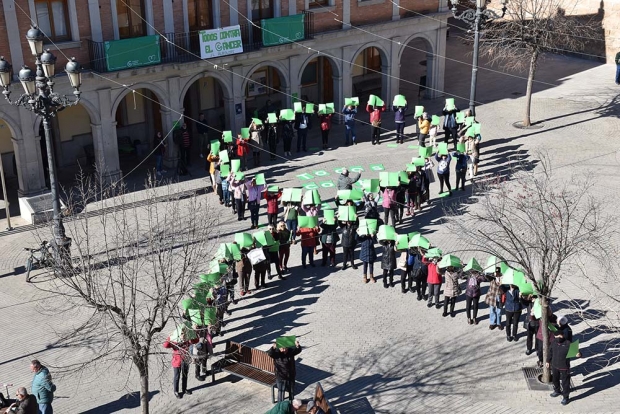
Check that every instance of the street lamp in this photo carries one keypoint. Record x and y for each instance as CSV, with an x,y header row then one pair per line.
x,y
477,19
39,97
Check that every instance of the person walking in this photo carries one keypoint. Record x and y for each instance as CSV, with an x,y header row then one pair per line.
x,y
452,290
443,172
388,262
284,361
42,387
202,130
255,194
513,312
472,295
308,244
375,122
368,255
326,125
434,282
449,124
284,237
302,125
399,121
424,124
349,241
460,169
494,300
349,112
617,60
179,341
559,362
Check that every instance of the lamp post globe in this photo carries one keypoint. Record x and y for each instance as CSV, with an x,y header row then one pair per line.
x,y
26,77
73,71
6,73
35,40
48,61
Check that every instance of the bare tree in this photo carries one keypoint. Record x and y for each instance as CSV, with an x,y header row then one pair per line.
x,y
531,28
539,224
133,261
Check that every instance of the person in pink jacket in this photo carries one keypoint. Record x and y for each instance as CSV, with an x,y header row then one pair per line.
x,y
375,121
390,206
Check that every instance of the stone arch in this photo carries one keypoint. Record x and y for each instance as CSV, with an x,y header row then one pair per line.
x,y
157,90
16,131
91,109
430,47
226,87
282,72
384,55
334,62
421,75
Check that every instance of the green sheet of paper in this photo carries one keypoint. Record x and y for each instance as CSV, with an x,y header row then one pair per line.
x,y
449,260
379,102
196,316
386,233
214,279
477,127
210,316
355,101
309,108
297,107
272,118
371,185
234,250
402,242
418,240
435,120
224,157
419,162
552,327
245,133
425,152
442,148
224,170
410,167
537,309
434,252
472,265
347,213
263,238
329,216
370,224
287,114
257,121
450,104
573,349
235,165
215,148
273,189
392,145
186,303
389,179
286,341
239,176
460,147
322,109
223,252
259,179
307,222
244,240
403,177
292,195
227,136
469,120
399,100
353,195
460,117
216,267
330,107
419,110
311,197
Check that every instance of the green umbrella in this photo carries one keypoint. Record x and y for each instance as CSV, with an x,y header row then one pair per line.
x,y
263,238
472,265
420,241
244,240
450,261
434,252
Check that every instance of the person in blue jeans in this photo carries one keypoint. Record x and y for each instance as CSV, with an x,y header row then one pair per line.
x,y
349,112
460,169
617,68
302,125
513,312
42,387
399,121
494,300
443,171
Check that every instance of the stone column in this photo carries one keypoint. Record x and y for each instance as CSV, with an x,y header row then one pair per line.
x,y
31,176
106,144
170,116
238,97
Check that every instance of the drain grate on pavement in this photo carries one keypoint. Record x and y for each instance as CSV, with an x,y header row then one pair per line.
x,y
531,378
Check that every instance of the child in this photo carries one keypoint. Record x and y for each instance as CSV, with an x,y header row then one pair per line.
x,y
388,261
433,131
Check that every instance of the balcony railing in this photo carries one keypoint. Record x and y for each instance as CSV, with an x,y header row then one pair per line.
x,y
185,47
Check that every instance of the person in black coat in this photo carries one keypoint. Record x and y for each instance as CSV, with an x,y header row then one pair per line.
x,y
388,261
329,239
284,361
557,360
348,241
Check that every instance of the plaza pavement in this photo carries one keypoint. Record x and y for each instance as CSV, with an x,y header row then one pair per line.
x,y
374,350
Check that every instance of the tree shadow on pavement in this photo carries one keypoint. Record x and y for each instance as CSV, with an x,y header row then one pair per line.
x,y
126,402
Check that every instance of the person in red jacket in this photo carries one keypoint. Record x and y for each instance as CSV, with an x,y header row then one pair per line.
x,y
242,151
179,341
434,282
308,244
375,121
272,198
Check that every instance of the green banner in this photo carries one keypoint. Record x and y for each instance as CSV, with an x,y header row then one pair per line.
x,y
132,53
282,30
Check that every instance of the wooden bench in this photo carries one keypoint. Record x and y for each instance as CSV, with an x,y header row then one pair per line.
x,y
249,363
320,400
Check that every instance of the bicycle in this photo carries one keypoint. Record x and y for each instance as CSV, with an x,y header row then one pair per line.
x,y
39,258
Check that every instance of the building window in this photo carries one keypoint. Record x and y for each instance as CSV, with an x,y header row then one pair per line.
x,y
130,15
372,60
200,14
318,3
53,19
262,9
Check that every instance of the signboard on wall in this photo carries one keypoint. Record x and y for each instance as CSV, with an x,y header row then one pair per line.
x,y
132,53
220,42
282,30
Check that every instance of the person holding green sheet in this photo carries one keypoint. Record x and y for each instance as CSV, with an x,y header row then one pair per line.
x,y
450,126
349,112
308,244
302,125
349,241
388,262
256,140
424,124
272,140
179,341
460,169
329,240
291,213
472,147
558,360
326,125
242,152
368,256
244,270
513,312
255,194
375,121
399,120
494,300
239,193
443,172
451,290
284,361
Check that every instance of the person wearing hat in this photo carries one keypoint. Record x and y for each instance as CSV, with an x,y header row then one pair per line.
x,y
284,361
558,362
494,300
286,407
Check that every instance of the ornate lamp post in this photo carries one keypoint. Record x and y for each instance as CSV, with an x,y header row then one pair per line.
x,y
40,98
476,19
